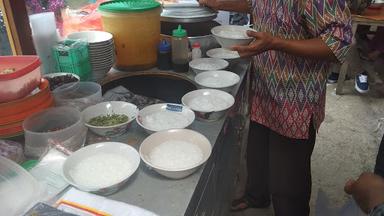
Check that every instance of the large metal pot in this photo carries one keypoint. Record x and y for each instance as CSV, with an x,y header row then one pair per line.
x,y
187,14
166,86
197,32
206,42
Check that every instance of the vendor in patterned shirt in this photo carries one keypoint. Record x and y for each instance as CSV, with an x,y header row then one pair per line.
x,y
295,40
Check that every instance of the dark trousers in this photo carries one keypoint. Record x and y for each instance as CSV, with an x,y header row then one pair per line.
x,y
379,167
280,167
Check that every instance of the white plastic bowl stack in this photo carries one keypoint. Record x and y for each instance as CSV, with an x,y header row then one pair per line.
x,y
101,51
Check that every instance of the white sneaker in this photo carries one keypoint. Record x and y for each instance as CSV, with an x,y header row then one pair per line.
x,y
361,82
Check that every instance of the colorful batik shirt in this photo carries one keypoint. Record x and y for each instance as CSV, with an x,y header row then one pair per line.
x,y
289,91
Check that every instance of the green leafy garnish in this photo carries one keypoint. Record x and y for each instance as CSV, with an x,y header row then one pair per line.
x,y
108,120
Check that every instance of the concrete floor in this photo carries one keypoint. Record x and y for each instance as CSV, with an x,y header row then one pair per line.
x,y
347,142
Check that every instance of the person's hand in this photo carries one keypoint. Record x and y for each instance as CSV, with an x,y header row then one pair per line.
x,y
214,4
367,190
263,42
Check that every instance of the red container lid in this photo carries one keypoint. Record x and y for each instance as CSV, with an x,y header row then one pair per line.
x,y
196,45
21,64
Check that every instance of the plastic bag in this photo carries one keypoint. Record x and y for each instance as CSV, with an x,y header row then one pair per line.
x,y
85,18
48,171
323,207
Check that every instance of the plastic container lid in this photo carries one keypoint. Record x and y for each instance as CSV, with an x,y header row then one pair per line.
x,y
179,32
121,6
21,64
196,45
18,186
164,46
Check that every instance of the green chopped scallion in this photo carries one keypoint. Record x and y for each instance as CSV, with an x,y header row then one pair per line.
x,y
108,120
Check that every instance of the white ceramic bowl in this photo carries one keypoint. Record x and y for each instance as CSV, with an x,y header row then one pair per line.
x,y
223,53
222,80
208,104
150,117
114,148
207,64
106,108
230,35
92,37
185,135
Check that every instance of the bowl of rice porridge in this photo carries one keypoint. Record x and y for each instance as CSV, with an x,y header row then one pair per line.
x,y
164,116
223,53
222,80
208,104
175,153
101,168
231,35
207,64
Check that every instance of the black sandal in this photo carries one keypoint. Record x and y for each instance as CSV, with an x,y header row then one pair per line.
x,y
247,202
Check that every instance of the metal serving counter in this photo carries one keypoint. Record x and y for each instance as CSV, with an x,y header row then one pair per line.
x,y
209,190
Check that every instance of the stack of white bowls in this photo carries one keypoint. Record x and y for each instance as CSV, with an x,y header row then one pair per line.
x,y
101,51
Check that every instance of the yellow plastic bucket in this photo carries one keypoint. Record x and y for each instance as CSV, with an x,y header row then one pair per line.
x,y
135,25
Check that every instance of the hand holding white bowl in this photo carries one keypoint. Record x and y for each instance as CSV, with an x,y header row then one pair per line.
x,y
263,42
231,35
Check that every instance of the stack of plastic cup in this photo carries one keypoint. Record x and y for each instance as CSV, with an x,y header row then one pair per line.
x,y
44,36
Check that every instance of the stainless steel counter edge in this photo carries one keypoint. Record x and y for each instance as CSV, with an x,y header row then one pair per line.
x,y
151,191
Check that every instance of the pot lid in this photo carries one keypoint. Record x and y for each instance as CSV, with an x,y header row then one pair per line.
x,y
121,6
187,14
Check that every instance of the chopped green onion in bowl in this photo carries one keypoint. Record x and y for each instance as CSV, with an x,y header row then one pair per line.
x,y
108,120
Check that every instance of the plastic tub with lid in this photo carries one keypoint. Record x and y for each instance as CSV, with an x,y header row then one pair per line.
x,y
18,189
19,75
63,126
135,25
80,95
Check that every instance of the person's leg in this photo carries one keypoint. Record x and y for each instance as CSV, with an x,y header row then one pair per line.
x,y
377,44
290,174
379,166
257,189
257,163
334,75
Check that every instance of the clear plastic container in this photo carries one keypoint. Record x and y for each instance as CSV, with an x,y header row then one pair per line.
x,y
11,150
62,126
18,189
19,75
135,25
80,95
44,35
180,50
